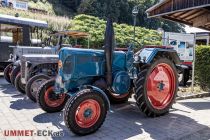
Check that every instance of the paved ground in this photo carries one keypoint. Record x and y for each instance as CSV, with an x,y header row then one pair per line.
x,y
189,119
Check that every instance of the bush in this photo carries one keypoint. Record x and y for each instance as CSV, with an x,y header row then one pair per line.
x,y
202,67
123,32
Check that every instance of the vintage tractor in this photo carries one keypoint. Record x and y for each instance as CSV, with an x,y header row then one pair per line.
x,y
37,68
12,70
94,77
24,36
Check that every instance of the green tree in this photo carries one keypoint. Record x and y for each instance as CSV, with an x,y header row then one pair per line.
x,y
121,12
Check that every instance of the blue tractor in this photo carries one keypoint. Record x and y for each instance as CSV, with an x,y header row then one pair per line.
x,y
89,79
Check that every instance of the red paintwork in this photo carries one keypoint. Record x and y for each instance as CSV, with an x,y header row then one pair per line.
x,y
121,49
158,46
160,99
117,96
187,63
86,122
52,102
77,46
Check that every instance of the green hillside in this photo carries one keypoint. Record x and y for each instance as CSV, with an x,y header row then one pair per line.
x,y
55,22
52,7
123,32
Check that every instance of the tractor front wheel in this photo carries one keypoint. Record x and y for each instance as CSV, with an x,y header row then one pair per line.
x,y
156,87
18,84
85,112
33,85
48,100
7,72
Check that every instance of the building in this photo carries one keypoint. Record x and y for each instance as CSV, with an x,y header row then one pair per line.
x,y
194,13
16,4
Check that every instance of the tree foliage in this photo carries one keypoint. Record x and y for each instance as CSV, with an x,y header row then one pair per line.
x,y
121,11
123,32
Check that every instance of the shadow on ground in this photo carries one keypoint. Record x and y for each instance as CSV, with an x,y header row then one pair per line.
x,y
197,105
126,121
23,103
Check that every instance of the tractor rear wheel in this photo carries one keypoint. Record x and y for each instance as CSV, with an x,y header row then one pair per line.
x,y
14,73
7,72
18,84
85,112
33,85
156,87
48,100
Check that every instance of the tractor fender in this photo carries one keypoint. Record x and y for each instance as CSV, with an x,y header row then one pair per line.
x,y
98,91
148,54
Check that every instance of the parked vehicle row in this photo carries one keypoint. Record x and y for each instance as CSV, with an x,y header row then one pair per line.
x,y
84,82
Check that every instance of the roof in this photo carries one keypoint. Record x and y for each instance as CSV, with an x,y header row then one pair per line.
x,y
73,34
190,12
6,19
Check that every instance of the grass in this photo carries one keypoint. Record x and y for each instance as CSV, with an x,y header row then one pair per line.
x,y
53,7
54,22
188,89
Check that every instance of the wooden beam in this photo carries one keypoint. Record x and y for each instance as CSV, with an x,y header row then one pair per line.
x,y
198,13
201,20
188,13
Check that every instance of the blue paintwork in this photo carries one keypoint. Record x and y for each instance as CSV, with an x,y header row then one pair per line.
x,y
82,66
86,64
121,82
150,53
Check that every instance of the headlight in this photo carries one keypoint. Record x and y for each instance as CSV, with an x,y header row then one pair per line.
x,y
60,64
136,58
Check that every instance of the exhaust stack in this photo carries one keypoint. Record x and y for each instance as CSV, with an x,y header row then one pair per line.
x,y
109,41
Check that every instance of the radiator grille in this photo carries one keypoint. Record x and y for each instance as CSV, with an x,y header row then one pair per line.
x,y
23,69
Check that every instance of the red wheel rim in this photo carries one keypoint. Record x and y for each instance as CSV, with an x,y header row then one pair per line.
x,y
161,85
50,101
87,113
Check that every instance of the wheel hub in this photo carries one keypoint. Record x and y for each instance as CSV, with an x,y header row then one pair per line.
x,y
88,113
161,86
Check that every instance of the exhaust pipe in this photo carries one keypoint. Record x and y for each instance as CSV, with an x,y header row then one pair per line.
x,y
109,41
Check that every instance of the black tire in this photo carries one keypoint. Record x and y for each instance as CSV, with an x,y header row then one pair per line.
x,y
29,91
116,99
18,85
142,99
7,72
72,107
14,73
40,98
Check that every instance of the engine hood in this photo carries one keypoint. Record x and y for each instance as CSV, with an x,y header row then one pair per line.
x,y
41,58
